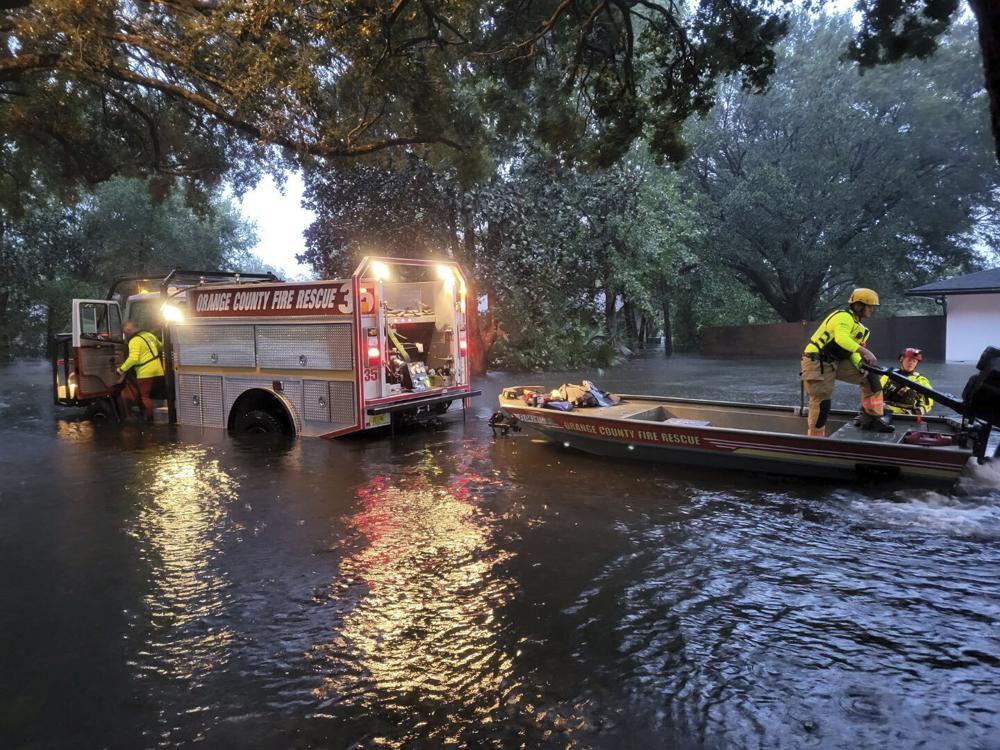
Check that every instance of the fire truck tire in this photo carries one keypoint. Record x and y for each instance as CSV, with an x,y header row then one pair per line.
x,y
100,412
258,421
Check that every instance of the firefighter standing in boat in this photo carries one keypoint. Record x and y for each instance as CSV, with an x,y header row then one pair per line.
x,y
145,364
899,398
835,352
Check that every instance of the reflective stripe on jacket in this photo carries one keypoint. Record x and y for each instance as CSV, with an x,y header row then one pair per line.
x,y
838,337
902,400
143,355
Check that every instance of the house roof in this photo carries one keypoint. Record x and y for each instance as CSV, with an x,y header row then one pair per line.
x,y
981,282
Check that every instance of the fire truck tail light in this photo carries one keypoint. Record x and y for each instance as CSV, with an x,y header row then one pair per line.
x,y
373,356
463,346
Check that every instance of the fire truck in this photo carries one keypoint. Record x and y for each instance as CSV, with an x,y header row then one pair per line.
x,y
251,353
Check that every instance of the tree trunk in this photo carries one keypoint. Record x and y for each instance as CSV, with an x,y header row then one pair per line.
x,y
483,328
4,329
610,313
4,296
668,344
987,14
49,330
631,333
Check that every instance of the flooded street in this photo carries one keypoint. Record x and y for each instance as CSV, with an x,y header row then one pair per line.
x,y
163,587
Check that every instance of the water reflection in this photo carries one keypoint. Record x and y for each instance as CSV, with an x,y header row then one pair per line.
x,y
183,500
365,593
427,589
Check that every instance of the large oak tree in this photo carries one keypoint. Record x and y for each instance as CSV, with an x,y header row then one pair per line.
x,y
834,178
164,81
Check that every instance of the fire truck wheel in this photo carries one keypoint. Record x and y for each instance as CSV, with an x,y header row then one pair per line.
x,y
100,412
258,420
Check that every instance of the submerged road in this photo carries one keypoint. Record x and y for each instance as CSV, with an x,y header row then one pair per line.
x,y
166,587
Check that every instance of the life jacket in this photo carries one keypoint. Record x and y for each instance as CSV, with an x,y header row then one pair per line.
x,y
900,398
823,341
899,394
152,364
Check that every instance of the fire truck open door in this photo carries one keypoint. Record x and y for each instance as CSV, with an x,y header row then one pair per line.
x,y
98,348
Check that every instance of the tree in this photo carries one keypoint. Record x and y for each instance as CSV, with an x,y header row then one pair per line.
x,y
893,30
329,80
126,232
167,82
404,209
53,252
834,179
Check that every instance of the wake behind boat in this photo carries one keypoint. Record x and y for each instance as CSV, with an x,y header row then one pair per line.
x,y
771,439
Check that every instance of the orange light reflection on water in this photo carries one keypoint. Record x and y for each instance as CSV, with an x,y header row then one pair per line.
x,y
186,495
426,628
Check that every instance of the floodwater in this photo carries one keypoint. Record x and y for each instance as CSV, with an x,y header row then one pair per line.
x,y
163,587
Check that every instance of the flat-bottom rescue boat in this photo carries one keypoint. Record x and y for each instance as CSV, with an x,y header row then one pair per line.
x,y
771,439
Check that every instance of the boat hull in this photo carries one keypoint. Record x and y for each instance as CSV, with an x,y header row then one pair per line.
x,y
619,435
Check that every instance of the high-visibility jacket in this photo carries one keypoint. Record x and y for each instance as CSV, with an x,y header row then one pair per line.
x,y
903,400
838,337
144,355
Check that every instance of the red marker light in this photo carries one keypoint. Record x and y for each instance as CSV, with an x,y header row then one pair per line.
x,y
373,356
463,345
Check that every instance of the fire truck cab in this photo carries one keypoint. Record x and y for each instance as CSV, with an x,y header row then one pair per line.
x,y
252,353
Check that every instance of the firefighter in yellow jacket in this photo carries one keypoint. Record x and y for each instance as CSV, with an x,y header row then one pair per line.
x,y
145,364
835,352
901,399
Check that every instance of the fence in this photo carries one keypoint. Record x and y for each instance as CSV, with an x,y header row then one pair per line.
x,y
889,337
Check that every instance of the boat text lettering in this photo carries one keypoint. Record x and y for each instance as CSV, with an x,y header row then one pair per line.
x,y
630,434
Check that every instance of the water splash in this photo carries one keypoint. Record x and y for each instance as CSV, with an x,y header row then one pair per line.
x,y
978,478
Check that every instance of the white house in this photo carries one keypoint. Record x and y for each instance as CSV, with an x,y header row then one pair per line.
x,y
972,309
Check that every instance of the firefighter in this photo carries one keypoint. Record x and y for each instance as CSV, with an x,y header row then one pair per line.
x,y
835,352
901,399
142,371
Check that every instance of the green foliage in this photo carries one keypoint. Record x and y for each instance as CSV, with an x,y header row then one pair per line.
x,y
52,253
402,210
127,233
553,342
147,85
834,180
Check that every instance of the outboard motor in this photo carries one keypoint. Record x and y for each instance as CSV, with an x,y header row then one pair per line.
x,y
981,396
980,404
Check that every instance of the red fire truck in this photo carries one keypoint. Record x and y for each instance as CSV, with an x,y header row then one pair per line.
x,y
252,353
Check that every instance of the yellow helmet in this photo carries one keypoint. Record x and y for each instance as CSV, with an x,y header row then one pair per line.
x,y
865,296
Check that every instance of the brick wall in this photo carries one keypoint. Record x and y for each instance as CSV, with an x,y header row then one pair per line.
x,y
889,337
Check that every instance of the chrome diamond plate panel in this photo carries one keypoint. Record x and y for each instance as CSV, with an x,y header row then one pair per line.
x,y
189,399
327,346
221,345
342,401
316,400
211,400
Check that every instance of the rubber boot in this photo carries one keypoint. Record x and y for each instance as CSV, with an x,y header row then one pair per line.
x,y
874,424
